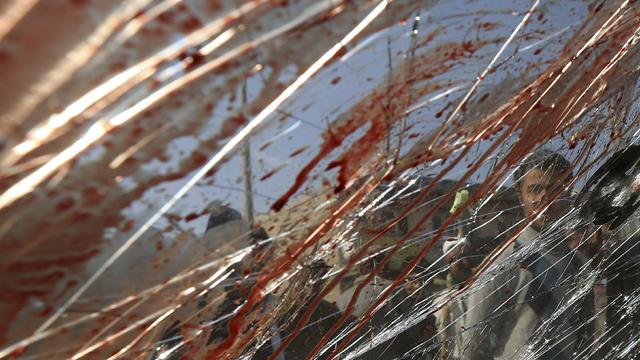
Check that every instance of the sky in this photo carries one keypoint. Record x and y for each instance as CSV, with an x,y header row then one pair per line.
x,y
362,69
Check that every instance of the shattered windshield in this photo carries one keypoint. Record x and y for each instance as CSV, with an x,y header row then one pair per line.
x,y
319,179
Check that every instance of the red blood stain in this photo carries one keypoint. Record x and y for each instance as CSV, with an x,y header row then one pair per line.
x,y
272,172
166,18
214,6
137,131
486,26
190,25
597,8
339,54
469,46
65,204
199,158
84,249
211,172
128,225
44,265
439,113
298,152
93,195
193,216
139,15
46,311
194,61
349,162
265,146
80,3
335,80
18,352
5,57
268,175
231,125
81,217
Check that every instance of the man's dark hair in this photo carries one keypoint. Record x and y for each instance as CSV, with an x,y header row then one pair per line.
x,y
545,160
221,216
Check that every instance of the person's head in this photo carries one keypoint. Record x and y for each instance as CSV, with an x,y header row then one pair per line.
x,y
541,177
221,214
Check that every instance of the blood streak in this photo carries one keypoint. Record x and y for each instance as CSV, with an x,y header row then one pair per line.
x,y
333,139
272,172
298,152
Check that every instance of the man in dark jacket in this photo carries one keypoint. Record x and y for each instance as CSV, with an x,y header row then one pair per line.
x,y
521,307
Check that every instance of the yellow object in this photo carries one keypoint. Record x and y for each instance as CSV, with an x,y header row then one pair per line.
x,y
462,197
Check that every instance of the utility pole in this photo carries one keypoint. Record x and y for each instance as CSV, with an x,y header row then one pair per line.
x,y
248,172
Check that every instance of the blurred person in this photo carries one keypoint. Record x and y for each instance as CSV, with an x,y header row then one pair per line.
x,y
229,232
226,232
609,203
612,193
402,328
457,249
418,296
321,320
506,315
620,286
479,229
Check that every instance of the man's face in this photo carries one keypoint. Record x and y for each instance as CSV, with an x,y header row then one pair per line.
x,y
535,189
412,285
